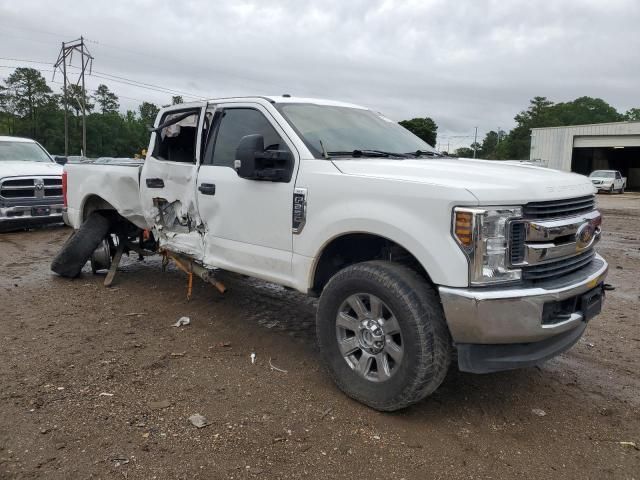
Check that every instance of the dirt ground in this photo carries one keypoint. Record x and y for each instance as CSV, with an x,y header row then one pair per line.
x,y
97,383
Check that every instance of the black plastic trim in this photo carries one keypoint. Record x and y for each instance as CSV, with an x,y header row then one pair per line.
x,y
478,358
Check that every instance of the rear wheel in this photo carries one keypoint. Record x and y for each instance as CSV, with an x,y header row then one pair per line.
x,y
79,247
383,335
622,189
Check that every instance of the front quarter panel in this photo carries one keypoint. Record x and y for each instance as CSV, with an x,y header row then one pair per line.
x,y
415,215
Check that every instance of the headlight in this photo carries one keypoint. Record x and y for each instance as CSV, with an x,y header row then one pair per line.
x,y
482,233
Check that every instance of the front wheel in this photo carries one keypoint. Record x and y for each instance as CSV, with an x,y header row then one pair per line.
x,y
383,335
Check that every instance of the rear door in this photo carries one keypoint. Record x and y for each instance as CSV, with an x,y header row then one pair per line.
x,y
168,181
247,222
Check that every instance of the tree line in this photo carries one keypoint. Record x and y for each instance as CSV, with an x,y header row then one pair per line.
x,y
29,108
516,144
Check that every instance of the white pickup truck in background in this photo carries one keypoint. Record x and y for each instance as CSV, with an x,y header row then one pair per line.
x,y
30,185
610,181
414,255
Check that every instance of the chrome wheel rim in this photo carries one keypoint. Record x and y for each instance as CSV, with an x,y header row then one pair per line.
x,y
369,337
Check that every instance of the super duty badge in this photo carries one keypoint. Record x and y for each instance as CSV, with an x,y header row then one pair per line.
x,y
299,209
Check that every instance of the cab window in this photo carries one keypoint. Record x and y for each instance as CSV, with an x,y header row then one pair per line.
x,y
177,141
235,124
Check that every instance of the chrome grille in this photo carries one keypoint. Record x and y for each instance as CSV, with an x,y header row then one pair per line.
x,y
545,242
557,268
31,187
517,242
559,208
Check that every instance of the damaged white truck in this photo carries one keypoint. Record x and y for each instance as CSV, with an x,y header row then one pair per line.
x,y
418,259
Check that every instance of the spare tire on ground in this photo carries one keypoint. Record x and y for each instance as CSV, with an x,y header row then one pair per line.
x,y
78,248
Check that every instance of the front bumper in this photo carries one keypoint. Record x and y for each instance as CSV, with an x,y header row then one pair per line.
x,y
500,318
16,216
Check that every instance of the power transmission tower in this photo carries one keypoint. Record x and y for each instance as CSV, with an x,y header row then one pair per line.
x,y
65,57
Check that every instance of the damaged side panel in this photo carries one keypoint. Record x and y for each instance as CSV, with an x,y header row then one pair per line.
x,y
172,209
168,185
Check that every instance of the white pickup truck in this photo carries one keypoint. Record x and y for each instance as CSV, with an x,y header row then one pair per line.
x,y
608,181
415,256
30,185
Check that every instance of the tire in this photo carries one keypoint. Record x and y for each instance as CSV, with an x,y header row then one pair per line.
x,y
423,337
611,190
621,190
79,247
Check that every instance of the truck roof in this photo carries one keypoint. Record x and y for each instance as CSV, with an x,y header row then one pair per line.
x,y
8,138
269,98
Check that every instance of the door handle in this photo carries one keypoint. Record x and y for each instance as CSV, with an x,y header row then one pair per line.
x,y
207,188
155,183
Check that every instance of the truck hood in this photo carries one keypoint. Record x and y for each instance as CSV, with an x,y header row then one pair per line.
x,y
21,168
494,182
602,179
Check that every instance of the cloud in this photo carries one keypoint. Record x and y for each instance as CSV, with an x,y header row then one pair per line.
x,y
466,63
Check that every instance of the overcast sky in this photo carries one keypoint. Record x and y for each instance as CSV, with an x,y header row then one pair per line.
x,y
464,63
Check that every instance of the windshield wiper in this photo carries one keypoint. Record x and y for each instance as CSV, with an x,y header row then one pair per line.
x,y
425,153
366,153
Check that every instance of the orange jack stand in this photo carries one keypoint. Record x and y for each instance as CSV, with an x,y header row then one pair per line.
x,y
189,267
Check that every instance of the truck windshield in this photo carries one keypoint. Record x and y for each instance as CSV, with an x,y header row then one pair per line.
x,y
603,174
22,151
341,131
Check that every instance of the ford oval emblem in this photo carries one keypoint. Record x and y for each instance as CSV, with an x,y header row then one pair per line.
x,y
584,236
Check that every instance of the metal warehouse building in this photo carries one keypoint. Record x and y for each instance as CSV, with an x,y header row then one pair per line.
x,y
584,148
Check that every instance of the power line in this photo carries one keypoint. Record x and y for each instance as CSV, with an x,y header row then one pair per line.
x,y
60,83
108,76
14,67
25,61
114,78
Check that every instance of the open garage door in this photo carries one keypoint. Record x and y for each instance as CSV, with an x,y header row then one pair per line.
x,y
625,158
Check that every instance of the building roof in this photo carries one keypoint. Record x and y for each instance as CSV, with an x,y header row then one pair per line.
x,y
627,122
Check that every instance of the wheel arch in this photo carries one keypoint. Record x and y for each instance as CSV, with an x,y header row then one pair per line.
x,y
94,203
349,248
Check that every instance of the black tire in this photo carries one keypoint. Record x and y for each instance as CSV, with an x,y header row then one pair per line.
x,y
79,247
621,190
611,190
425,337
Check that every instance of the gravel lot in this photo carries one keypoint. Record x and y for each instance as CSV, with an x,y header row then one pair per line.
x,y
97,383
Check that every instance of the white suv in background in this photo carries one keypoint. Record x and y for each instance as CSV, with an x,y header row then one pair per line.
x,y
30,184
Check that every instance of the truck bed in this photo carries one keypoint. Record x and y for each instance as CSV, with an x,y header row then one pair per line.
x,y
114,179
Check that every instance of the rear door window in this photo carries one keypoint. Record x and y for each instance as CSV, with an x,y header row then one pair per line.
x,y
177,141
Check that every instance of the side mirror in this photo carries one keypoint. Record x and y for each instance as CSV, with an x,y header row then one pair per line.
x,y
254,163
60,160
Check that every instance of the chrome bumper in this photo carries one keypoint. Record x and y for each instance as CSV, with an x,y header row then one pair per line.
x,y
17,214
515,315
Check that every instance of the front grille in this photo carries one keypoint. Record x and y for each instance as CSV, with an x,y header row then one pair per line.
x,y
32,187
53,192
559,208
517,242
557,268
